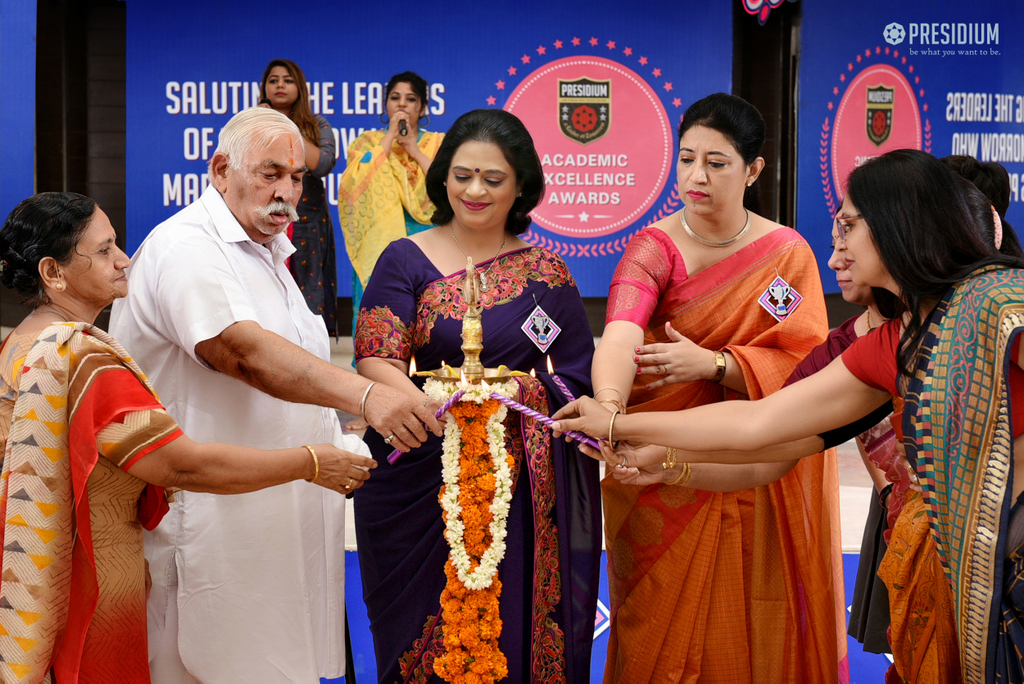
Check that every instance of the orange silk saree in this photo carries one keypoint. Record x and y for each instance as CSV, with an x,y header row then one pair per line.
x,y
726,587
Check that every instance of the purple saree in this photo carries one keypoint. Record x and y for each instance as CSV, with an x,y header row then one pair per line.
x,y
551,566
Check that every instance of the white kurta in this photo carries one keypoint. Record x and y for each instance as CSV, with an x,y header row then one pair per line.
x,y
259,577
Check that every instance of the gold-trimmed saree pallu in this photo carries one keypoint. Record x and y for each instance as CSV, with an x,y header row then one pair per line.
x,y
734,587
56,610
958,432
374,193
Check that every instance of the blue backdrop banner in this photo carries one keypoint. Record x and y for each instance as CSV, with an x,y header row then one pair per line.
x,y
18,110
945,77
601,89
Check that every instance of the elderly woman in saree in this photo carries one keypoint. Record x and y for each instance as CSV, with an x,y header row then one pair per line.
x,y
89,451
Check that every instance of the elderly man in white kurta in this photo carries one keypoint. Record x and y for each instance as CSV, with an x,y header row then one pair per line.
x,y
247,588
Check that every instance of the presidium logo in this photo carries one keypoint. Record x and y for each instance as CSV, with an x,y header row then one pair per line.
x,y
879,109
584,109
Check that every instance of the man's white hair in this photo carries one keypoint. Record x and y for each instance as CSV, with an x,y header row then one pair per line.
x,y
253,130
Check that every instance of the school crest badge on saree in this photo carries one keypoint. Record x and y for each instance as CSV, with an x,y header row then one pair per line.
x,y
780,299
540,328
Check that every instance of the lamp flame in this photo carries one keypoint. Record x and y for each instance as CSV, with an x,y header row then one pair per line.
x,y
551,368
533,372
412,366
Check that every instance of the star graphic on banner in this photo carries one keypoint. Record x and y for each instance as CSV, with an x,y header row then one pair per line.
x,y
910,68
565,117
878,50
604,117
593,41
667,86
611,45
858,58
921,92
835,90
867,53
925,106
887,49
541,50
575,40
558,45
643,61
628,51
525,59
917,79
842,77
849,67
491,101
565,108
584,216
657,73
604,108
830,106
500,85
511,71
676,102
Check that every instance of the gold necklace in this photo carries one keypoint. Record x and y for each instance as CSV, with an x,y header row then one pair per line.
x,y
714,243
868,312
483,276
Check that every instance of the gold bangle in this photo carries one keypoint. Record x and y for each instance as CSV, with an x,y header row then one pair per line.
x,y
316,462
670,458
719,366
684,476
621,396
611,427
621,409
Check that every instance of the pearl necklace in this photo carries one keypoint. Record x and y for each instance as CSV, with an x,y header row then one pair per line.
x,y
483,276
713,243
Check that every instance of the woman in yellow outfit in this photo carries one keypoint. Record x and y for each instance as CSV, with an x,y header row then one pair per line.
x,y
382,195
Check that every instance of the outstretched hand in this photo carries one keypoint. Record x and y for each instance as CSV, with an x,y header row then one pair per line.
x,y
583,415
678,360
396,414
341,470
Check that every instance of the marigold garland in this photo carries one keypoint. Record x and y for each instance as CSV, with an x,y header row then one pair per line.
x,y
475,500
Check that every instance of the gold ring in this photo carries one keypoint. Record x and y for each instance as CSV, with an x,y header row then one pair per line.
x,y
388,440
349,483
623,464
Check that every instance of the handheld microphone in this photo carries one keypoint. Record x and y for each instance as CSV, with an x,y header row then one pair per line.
x,y
403,130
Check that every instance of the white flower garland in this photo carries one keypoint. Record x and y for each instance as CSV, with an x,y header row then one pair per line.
x,y
483,575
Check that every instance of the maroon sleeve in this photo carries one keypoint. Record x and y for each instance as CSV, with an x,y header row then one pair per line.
x,y
872,358
822,355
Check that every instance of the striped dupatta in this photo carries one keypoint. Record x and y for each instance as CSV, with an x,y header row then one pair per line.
x,y
49,589
958,433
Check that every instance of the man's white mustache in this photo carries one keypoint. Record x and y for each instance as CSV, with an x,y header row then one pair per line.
x,y
279,208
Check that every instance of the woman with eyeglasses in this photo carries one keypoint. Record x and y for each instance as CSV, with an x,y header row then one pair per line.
x,y
950,356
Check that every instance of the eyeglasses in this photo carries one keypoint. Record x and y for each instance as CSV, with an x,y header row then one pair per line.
x,y
843,229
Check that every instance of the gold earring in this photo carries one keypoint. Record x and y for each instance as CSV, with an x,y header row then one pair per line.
x,y
59,286
749,183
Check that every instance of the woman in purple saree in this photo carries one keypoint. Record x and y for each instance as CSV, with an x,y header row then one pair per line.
x,y
413,307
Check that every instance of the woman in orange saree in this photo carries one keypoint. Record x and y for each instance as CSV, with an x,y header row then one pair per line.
x,y
730,575
88,450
